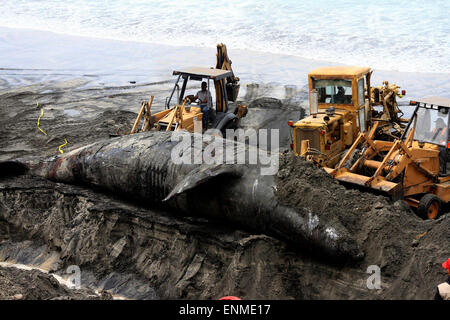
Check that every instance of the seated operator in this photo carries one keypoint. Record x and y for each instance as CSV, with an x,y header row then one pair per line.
x,y
340,96
205,103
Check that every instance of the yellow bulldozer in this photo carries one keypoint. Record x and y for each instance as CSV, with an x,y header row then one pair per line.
x,y
186,114
413,167
343,104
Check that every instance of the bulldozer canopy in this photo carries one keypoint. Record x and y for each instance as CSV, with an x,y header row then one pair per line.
x,y
338,72
216,74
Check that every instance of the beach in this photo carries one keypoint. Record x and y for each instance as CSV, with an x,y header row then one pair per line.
x,y
118,75
74,74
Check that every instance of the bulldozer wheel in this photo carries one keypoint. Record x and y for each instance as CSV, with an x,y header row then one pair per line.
x,y
429,207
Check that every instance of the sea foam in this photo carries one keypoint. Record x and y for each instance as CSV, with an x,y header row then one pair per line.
x,y
403,35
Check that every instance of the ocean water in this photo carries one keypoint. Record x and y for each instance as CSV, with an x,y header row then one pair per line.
x,y
402,35
274,43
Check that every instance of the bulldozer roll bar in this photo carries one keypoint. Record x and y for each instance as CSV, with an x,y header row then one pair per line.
x,y
409,123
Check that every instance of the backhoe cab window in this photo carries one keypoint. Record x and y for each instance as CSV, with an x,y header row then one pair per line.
x,y
334,91
432,126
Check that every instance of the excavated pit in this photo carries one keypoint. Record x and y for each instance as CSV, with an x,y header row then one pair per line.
x,y
132,251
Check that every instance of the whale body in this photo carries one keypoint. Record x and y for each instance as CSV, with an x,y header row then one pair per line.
x,y
141,166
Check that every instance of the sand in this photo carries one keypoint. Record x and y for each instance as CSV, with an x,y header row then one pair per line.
x,y
390,234
140,253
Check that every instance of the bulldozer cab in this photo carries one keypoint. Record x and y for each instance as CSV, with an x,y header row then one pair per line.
x,y
338,112
343,88
432,121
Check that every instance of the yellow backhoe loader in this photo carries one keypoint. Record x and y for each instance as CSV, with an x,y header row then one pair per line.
x,y
343,104
186,113
413,167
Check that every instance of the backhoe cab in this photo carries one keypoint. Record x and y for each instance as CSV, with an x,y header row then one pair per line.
x,y
342,104
189,110
186,113
413,167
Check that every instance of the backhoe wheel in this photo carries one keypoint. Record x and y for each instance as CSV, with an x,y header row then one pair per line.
x,y
430,207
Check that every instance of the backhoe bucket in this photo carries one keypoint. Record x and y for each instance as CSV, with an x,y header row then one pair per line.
x,y
232,91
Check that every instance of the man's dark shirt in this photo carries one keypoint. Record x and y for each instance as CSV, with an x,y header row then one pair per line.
x,y
438,296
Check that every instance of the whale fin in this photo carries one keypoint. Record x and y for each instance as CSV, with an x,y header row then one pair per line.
x,y
201,175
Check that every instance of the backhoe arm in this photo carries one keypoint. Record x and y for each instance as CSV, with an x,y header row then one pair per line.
x,y
223,62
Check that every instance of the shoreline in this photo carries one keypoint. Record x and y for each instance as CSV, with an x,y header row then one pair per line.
x,y
240,51
32,56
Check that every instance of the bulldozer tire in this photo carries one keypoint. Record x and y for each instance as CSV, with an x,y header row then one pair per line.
x,y
430,207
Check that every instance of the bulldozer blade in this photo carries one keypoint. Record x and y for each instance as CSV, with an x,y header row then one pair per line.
x,y
379,184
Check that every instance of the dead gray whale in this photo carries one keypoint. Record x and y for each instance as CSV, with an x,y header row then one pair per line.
x,y
141,166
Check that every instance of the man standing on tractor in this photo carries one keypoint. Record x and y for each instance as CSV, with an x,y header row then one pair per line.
x,y
205,103
443,290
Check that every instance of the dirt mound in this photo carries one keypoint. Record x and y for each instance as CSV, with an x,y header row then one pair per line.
x,y
16,284
406,248
301,184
